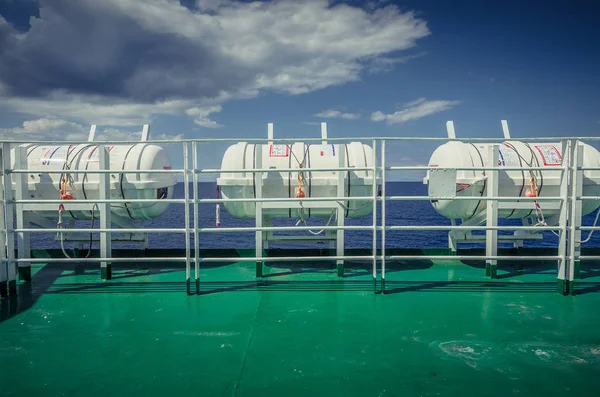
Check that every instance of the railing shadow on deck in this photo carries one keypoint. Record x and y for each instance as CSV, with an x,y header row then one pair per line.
x,y
47,281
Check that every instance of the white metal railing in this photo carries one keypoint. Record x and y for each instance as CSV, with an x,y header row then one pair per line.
x,y
569,226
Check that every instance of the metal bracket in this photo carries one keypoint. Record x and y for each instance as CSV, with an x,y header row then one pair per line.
x,y
442,182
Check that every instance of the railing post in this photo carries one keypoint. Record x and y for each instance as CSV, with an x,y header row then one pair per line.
x,y
383,221
259,210
491,236
374,191
23,238
563,214
105,214
3,261
9,218
186,193
576,214
341,192
196,218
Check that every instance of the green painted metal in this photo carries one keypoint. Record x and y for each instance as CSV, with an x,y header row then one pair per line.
x,y
340,270
106,272
562,287
442,328
12,288
573,287
491,270
25,273
3,289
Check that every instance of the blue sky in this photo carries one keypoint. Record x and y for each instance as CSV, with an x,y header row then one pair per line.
x,y
217,68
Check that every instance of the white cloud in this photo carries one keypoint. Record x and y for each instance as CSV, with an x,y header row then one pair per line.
x,y
386,64
414,110
43,128
92,109
54,129
158,57
337,114
201,116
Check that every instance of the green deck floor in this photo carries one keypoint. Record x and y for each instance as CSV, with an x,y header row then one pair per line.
x,y
441,330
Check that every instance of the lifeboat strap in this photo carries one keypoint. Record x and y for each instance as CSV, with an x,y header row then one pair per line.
x,y
303,221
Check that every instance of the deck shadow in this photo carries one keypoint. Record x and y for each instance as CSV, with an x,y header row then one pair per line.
x,y
342,285
484,286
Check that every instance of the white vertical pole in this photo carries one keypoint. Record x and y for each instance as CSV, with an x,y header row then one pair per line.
x,y
186,193
104,209
270,133
491,236
450,129
3,261
268,223
23,239
329,233
383,220
196,218
519,243
259,209
576,214
374,192
92,133
9,220
145,132
564,214
341,192
451,242
505,129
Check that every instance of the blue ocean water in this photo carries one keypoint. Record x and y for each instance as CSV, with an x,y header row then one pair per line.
x,y
414,213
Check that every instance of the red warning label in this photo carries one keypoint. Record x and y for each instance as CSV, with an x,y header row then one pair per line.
x,y
550,154
279,151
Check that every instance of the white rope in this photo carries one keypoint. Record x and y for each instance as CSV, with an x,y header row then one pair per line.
x,y
349,209
303,221
594,225
62,236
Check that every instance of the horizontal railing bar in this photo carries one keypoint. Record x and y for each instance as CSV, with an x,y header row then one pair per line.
x,y
588,198
499,168
50,260
279,228
267,170
92,201
393,198
307,139
282,199
88,230
469,257
287,258
477,198
72,171
288,228
461,227
589,257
